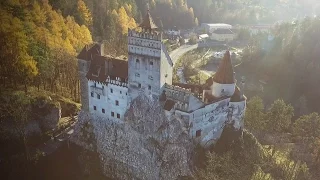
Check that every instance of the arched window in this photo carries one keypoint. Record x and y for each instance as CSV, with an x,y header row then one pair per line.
x,y
151,65
137,64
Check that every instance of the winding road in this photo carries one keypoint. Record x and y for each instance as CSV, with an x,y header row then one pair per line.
x,y
177,53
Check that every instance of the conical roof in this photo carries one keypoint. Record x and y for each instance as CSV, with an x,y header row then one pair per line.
x,y
148,22
225,73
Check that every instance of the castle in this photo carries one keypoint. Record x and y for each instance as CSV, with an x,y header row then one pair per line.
x,y
109,85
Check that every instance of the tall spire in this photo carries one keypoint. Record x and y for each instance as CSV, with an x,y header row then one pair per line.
x,y
148,22
225,73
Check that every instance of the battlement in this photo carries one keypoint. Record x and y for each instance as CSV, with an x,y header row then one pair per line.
x,y
150,35
177,88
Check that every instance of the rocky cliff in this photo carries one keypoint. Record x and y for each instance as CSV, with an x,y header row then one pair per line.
x,y
146,145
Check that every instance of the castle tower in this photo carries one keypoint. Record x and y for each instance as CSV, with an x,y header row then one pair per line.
x,y
149,64
84,60
223,82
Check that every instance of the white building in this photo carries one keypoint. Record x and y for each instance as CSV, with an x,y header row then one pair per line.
x,y
209,28
172,32
223,35
260,28
109,85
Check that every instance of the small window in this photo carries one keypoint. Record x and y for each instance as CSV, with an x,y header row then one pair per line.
x,y
150,77
102,87
126,94
120,92
151,63
139,85
103,111
95,84
198,133
149,87
94,107
98,96
118,116
137,61
112,114
111,90
117,103
92,94
137,75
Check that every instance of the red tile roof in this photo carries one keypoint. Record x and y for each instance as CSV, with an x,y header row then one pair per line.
x,y
101,67
148,22
236,97
89,51
225,73
169,105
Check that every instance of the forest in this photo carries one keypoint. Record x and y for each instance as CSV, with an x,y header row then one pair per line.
x,y
41,38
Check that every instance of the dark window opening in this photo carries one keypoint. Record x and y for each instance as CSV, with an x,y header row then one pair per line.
x,y
118,116
151,63
198,133
103,111
149,87
111,90
112,114
117,103
120,92
94,107
137,61
95,84
98,96
139,85
92,94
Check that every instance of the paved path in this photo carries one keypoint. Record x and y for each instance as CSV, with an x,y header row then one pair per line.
x,y
177,53
52,145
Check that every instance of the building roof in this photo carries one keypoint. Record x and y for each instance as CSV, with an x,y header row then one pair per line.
x,y
237,97
89,51
225,73
148,22
223,31
217,24
169,105
203,36
194,88
102,66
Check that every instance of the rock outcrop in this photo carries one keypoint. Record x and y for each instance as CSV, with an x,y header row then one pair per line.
x,y
146,145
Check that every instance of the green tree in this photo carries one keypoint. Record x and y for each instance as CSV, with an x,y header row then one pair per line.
x,y
255,117
307,126
278,118
17,65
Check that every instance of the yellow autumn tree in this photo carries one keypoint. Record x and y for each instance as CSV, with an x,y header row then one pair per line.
x,y
16,64
124,21
84,13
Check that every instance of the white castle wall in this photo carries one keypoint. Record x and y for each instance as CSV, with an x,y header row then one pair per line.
x,y
166,70
145,72
148,69
219,90
194,103
109,94
238,113
83,66
209,120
